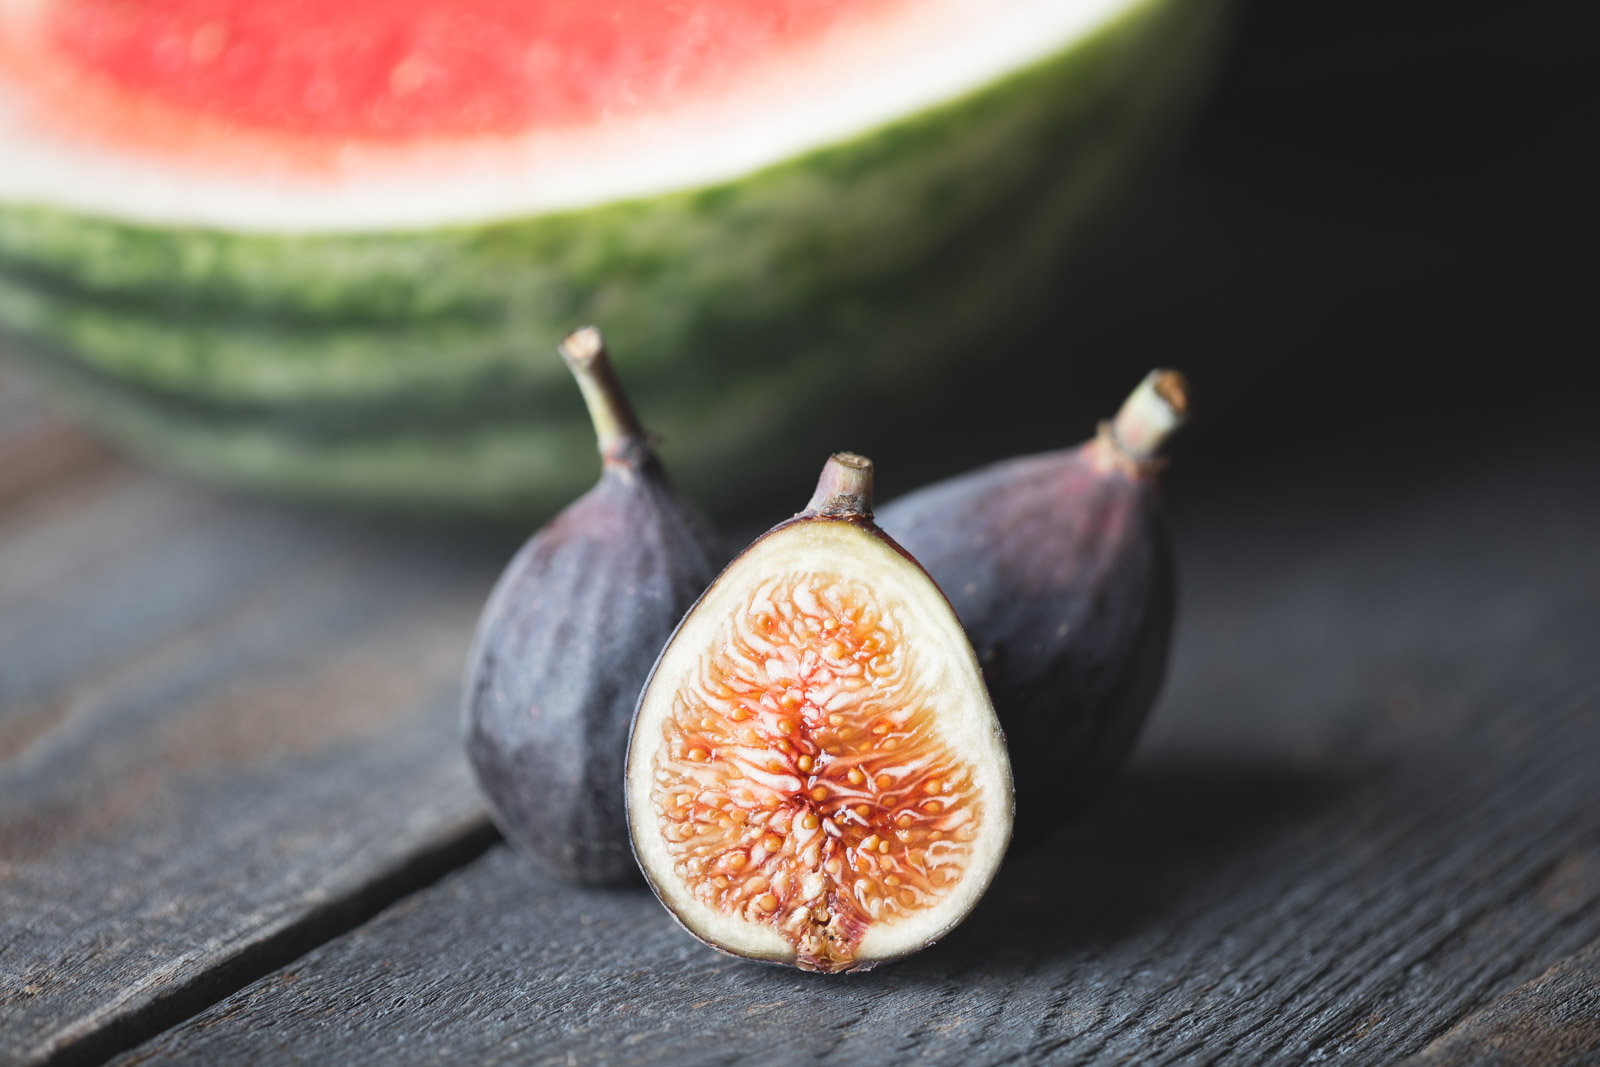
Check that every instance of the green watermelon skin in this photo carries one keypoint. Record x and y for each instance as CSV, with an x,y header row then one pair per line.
x,y
416,370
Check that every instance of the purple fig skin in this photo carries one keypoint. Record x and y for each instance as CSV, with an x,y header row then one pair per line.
x,y
1061,569
564,646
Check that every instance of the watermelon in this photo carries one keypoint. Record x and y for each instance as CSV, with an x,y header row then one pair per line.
x,y
326,250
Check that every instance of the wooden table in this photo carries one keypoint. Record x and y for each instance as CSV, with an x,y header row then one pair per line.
x,y
236,826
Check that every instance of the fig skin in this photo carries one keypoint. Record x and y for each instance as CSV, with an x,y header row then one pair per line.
x,y
1061,569
568,638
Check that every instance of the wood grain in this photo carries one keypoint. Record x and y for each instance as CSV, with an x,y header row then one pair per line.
x,y
227,732
1552,1020
1366,808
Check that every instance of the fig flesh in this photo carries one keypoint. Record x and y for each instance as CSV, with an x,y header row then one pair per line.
x,y
1060,567
568,637
816,776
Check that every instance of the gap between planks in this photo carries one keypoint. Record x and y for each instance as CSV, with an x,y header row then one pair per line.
x,y
274,951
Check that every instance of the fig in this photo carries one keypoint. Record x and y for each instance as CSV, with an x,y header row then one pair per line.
x,y
1061,570
568,637
816,775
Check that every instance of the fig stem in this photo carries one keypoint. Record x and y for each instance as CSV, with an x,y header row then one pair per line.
x,y
1150,415
845,488
617,431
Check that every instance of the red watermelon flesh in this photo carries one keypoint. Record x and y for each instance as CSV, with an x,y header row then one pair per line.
x,y
381,69
307,76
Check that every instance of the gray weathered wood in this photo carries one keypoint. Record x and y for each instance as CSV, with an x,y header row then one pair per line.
x,y
1367,807
227,731
1552,1020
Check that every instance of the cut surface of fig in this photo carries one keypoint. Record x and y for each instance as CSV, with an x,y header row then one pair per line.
x,y
815,774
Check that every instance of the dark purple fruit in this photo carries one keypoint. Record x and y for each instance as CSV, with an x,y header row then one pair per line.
x,y
816,775
1060,568
568,638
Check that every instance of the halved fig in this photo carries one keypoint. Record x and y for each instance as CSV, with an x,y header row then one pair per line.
x,y
815,774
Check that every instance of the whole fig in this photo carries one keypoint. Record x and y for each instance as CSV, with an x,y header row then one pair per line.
x,y
568,638
1060,568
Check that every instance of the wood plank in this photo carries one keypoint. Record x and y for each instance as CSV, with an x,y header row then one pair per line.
x,y
227,732
40,455
1367,807
1553,1020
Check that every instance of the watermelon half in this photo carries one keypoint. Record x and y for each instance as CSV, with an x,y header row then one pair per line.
x,y
326,249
